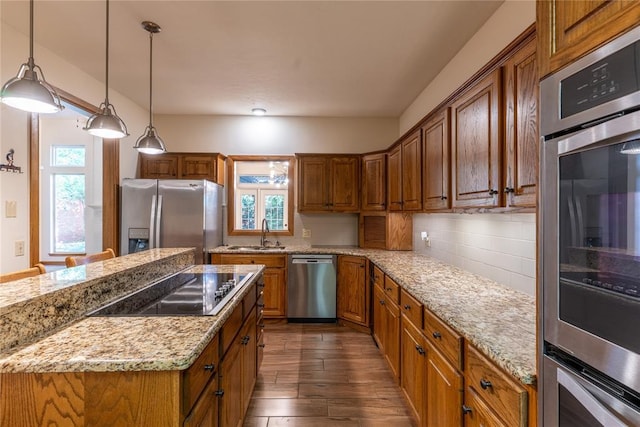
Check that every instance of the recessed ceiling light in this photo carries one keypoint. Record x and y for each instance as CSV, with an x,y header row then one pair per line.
x,y
258,111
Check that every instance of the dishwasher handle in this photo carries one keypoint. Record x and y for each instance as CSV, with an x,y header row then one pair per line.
x,y
311,261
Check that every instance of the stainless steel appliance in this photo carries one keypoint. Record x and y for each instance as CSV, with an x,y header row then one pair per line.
x,y
183,294
311,288
590,247
170,213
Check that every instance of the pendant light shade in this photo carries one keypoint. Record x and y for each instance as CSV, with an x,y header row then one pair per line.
x,y
106,123
150,142
27,91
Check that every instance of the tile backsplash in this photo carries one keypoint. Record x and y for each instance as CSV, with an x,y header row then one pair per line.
x,y
501,247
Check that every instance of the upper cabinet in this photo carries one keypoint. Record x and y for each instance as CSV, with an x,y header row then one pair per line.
x,y
435,162
568,30
475,144
521,127
182,166
404,163
328,183
374,182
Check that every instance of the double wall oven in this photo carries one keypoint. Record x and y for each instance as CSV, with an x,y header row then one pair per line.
x,y
590,246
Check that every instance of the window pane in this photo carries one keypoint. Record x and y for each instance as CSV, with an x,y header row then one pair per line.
x,y
274,211
73,156
68,213
248,212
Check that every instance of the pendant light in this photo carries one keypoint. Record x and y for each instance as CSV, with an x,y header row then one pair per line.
x,y
26,91
150,142
106,123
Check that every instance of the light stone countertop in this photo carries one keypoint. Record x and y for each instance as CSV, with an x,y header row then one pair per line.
x,y
498,320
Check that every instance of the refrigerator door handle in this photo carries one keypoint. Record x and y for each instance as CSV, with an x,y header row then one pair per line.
x,y
152,223
158,221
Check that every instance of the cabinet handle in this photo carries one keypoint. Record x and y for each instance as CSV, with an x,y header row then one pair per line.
x,y
381,302
219,393
493,192
261,345
485,384
509,190
362,266
443,197
260,305
466,409
420,350
209,368
260,285
253,262
407,307
437,335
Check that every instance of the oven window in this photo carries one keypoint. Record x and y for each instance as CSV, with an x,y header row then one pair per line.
x,y
599,243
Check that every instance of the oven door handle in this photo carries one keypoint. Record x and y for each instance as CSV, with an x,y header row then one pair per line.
x,y
598,406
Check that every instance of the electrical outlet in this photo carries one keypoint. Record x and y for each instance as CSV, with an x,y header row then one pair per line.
x,y
19,248
425,238
306,232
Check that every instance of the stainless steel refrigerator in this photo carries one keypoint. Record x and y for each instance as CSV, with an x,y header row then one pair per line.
x,y
172,213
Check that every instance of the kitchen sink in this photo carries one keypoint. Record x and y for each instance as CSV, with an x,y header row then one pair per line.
x,y
255,248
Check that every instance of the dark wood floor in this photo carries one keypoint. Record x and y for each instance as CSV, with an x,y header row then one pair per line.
x,y
324,375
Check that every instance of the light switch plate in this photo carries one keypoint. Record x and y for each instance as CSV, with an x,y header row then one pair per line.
x,y
19,249
306,232
10,209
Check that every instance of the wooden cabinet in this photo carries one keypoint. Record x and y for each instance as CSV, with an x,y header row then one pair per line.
x,y
521,127
353,292
404,172
374,182
475,144
413,356
435,162
230,379
379,320
205,411
445,387
328,183
386,230
182,166
386,320
275,279
478,414
570,29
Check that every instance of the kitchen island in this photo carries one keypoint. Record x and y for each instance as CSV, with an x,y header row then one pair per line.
x,y
129,370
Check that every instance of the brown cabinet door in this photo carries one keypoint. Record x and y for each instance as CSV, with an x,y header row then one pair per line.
x,y
475,145
445,387
374,182
379,321
435,162
274,292
394,178
205,411
569,29
159,166
198,167
230,378
413,365
344,178
478,414
352,289
392,337
412,172
249,359
313,181
521,125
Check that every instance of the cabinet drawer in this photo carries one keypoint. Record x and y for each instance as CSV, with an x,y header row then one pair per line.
x,y
249,300
391,289
231,328
442,337
411,308
505,396
279,261
477,413
195,378
378,277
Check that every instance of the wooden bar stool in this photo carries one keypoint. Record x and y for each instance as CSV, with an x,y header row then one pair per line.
x,y
21,274
72,261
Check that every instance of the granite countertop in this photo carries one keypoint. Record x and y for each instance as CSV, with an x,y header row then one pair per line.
x,y
128,343
496,319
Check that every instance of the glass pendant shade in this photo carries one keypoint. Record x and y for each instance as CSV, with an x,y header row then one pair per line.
x,y
631,147
150,142
27,91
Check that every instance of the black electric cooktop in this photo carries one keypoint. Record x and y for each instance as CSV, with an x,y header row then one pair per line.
x,y
184,294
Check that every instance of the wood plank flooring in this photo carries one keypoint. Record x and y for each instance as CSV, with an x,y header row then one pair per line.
x,y
317,375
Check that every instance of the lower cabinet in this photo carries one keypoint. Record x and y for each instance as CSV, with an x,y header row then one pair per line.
x,y
352,290
205,411
445,387
413,378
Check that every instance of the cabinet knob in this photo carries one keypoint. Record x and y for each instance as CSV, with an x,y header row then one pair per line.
x,y
261,345
260,305
209,368
509,190
485,384
466,409
420,350
381,302
219,393
437,335
493,192
407,307
443,197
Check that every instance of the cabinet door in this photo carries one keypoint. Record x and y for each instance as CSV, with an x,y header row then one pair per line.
x,y
394,176
478,414
435,162
344,178
392,337
374,182
379,317
230,378
159,166
475,145
274,292
521,136
198,166
249,358
352,289
412,172
445,387
413,379
569,29
312,188
205,411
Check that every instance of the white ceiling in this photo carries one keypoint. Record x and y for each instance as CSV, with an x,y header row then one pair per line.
x,y
294,58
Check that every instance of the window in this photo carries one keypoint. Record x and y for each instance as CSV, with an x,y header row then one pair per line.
x,y
262,190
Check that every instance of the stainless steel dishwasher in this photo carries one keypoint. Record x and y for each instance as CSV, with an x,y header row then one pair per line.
x,y
311,285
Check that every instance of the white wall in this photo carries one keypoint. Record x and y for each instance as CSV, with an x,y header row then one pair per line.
x,y
498,246
14,49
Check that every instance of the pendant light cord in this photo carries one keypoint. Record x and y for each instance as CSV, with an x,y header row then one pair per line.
x,y
106,74
31,61
151,79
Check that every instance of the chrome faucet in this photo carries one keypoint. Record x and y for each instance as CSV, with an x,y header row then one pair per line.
x,y
265,230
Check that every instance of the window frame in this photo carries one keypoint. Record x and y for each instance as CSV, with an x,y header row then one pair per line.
x,y
231,194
